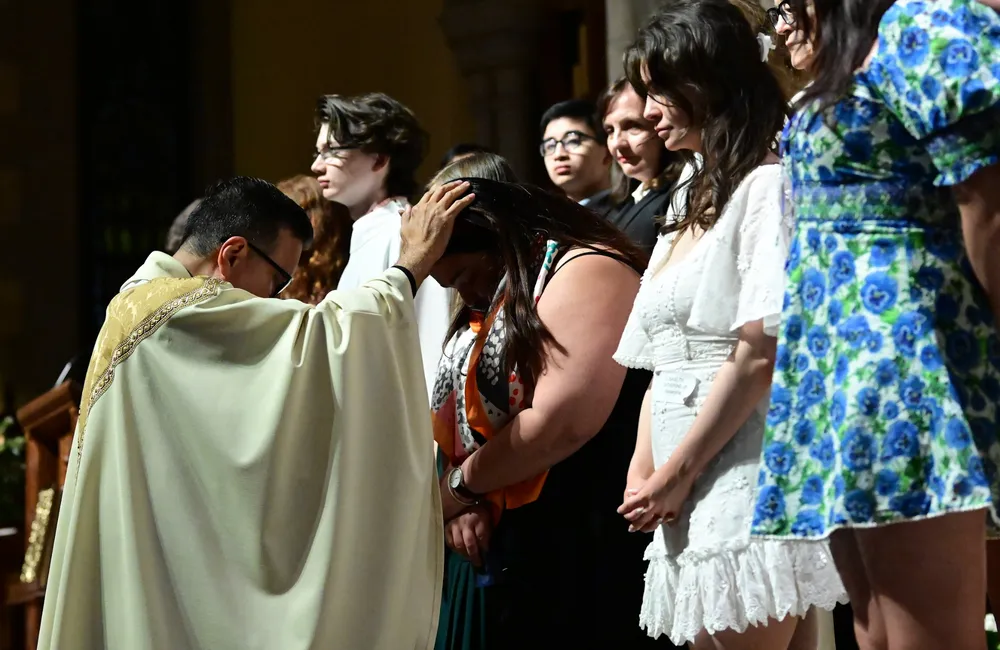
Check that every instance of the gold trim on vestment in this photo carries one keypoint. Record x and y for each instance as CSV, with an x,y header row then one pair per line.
x,y
134,315
38,538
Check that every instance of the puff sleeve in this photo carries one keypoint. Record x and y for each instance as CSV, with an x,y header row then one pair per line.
x,y
743,277
937,69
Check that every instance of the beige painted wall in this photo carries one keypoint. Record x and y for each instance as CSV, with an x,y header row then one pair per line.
x,y
287,54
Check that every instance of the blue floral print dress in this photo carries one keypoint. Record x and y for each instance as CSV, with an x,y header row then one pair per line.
x,y
887,379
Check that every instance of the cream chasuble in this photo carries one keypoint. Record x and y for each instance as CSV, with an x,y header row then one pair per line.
x,y
249,473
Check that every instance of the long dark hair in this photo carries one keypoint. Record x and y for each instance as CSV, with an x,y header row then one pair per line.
x,y
513,221
843,33
703,56
780,59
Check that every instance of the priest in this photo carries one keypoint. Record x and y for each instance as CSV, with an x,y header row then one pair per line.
x,y
249,472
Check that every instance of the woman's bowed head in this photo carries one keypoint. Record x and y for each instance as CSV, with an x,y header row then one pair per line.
x,y
501,231
431,220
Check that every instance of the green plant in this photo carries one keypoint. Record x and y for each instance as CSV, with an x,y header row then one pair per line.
x,y
11,473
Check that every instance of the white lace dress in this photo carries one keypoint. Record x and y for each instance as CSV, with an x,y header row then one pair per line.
x,y
704,571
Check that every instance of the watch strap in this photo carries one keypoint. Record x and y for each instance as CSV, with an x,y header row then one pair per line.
x,y
461,493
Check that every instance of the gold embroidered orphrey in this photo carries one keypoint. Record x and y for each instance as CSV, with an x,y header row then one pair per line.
x,y
38,539
160,299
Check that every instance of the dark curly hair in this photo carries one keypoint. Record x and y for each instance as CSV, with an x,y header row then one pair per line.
x,y
704,58
378,124
321,265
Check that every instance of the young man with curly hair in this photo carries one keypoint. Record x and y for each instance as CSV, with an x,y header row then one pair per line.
x,y
367,152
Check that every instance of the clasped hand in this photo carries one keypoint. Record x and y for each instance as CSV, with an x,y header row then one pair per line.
x,y
468,534
657,500
467,529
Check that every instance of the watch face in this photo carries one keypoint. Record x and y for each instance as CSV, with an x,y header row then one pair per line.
x,y
455,479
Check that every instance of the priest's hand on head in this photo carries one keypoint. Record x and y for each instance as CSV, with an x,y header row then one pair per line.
x,y
426,227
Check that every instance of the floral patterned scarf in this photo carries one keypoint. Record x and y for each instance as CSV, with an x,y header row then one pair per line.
x,y
474,397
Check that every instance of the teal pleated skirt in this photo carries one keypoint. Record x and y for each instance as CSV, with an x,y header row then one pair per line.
x,y
462,625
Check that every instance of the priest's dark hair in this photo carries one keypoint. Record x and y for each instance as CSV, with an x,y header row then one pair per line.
x,y
513,221
244,207
378,124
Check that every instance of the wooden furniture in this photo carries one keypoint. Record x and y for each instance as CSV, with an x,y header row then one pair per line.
x,y
48,422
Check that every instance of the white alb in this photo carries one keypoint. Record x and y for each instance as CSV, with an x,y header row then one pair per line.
x,y
704,571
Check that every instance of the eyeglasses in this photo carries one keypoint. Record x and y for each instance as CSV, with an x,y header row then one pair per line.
x,y
572,142
286,279
782,12
330,154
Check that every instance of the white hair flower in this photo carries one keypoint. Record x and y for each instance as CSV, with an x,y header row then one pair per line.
x,y
766,46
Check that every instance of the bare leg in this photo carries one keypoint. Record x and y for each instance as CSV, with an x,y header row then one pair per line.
x,y
806,635
928,579
774,636
869,627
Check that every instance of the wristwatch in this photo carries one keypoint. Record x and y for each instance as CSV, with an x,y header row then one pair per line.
x,y
456,485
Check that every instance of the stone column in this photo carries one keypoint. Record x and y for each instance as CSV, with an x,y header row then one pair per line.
x,y
495,43
621,30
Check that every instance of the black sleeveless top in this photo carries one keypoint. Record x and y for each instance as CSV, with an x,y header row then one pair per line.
x,y
567,573
582,492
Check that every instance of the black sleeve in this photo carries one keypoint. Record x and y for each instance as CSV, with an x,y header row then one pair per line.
x,y
409,276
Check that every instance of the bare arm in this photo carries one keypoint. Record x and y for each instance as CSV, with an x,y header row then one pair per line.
x,y
585,307
641,467
979,204
742,381
993,4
